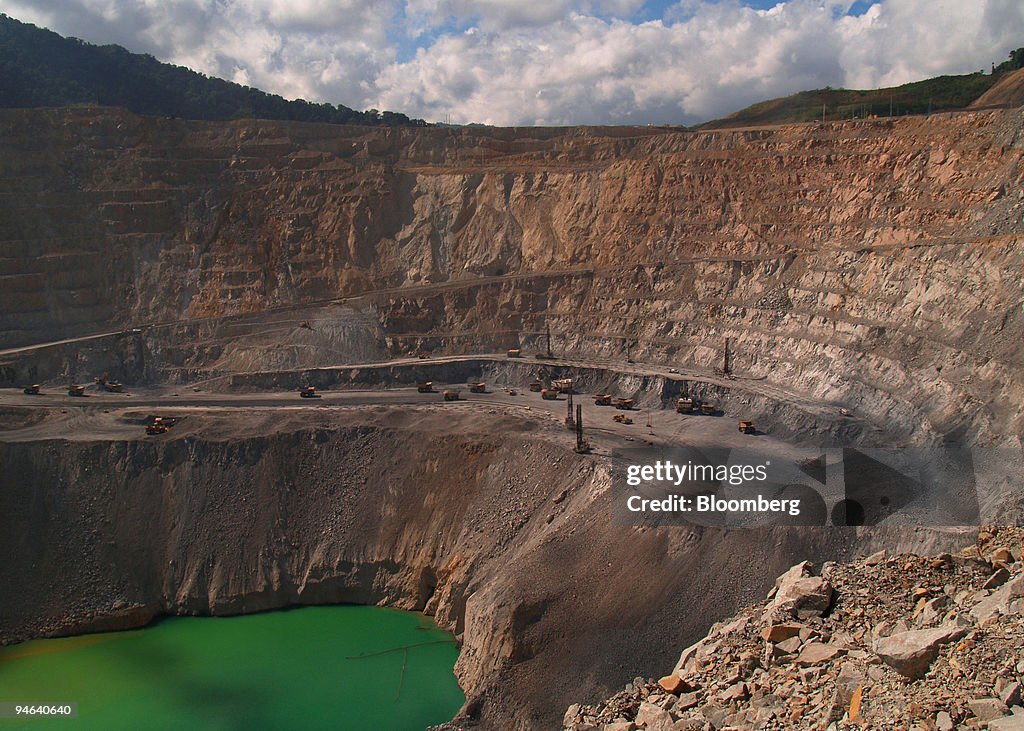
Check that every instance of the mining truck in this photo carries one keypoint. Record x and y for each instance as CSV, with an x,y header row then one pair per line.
x,y
747,427
562,385
308,392
684,405
515,353
75,390
624,403
109,386
708,409
536,386
603,399
451,395
156,427
549,394
425,387
32,390
477,387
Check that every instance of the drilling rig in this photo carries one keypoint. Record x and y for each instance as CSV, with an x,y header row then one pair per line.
x,y
582,445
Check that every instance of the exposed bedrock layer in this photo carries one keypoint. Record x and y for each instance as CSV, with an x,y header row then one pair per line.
x,y
506,538
872,263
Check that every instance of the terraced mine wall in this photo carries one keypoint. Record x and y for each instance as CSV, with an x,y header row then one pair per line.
x,y
869,266
503,536
874,264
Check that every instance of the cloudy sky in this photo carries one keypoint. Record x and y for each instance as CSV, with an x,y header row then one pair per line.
x,y
520,62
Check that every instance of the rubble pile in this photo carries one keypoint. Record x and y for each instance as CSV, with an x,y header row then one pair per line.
x,y
928,643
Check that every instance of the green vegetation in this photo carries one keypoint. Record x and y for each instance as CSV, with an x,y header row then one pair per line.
x,y
939,94
39,68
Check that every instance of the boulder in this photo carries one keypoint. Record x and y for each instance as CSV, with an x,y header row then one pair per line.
x,y
911,653
1010,695
987,709
997,579
672,684
817,653
687,701
653,718
570,714
1003,555
787,647
735,692
799,594
775,633
1007,723
875,558
1001,601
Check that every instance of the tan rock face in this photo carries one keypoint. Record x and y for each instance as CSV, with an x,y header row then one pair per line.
x,y
849,262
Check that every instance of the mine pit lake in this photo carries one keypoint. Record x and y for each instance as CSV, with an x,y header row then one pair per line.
x,y
335,667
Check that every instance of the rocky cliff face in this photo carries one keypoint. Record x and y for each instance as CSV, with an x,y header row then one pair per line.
x,y
873,265
938,647
505,537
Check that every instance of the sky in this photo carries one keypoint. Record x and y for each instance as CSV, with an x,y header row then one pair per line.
x,y
551,62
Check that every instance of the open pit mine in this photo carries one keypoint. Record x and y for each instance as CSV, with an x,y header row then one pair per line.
x,y
253,365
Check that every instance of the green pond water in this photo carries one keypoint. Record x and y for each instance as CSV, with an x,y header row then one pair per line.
x,y
311,668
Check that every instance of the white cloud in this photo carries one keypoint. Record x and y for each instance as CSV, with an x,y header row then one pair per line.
x,y
496,15
555,62
715,59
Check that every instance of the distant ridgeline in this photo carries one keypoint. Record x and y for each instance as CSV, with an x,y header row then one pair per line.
x,y
938,94
39,68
